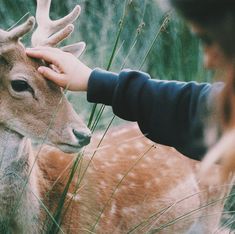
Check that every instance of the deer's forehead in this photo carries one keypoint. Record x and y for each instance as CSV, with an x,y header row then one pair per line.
x,y
16,56
23,68
15,53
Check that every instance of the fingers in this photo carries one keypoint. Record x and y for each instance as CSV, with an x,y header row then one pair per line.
x,y
52,75
50,56
63,68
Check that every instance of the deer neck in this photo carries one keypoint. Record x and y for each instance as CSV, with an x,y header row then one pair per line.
x,y
18,185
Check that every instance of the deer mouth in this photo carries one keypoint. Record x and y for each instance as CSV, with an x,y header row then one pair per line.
x,y
64,147
69,148
81,139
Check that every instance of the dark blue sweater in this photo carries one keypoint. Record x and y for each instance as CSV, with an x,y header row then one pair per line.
x,y
168,112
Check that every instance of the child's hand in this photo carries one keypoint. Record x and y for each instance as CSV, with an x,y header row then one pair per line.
x,y
66,70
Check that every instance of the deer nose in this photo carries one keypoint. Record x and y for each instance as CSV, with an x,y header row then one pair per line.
x,y
83,137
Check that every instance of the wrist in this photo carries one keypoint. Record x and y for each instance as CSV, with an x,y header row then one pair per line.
x,y
87,74
80,79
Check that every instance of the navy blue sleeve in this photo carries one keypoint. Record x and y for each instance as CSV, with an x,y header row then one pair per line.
x,y
168,112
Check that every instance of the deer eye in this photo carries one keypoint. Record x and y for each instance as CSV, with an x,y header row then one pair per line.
x,y
20,86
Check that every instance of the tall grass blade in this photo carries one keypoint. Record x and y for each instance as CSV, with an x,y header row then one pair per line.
x,y
162,28
57,215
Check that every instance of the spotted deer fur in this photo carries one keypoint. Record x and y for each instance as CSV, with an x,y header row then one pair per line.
x,y
129,181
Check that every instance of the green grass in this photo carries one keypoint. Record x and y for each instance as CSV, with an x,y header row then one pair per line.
x,y
120,34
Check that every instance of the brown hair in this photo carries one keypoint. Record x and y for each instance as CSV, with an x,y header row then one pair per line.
x,y
216,16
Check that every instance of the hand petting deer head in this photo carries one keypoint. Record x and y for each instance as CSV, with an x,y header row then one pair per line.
x,y
30,105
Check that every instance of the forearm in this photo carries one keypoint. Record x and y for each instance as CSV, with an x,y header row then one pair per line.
x,y
171,113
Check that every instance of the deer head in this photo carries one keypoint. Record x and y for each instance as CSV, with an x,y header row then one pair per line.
x,y
31,105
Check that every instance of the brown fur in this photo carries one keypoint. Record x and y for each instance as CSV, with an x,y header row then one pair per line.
x,y
156,177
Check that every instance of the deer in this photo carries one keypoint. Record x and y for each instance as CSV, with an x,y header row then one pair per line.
x,y
72,183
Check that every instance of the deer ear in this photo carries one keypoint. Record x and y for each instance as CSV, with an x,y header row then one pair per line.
x,y
75,49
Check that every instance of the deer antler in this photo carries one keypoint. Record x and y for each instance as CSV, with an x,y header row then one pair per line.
x,y
52,32
18,32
